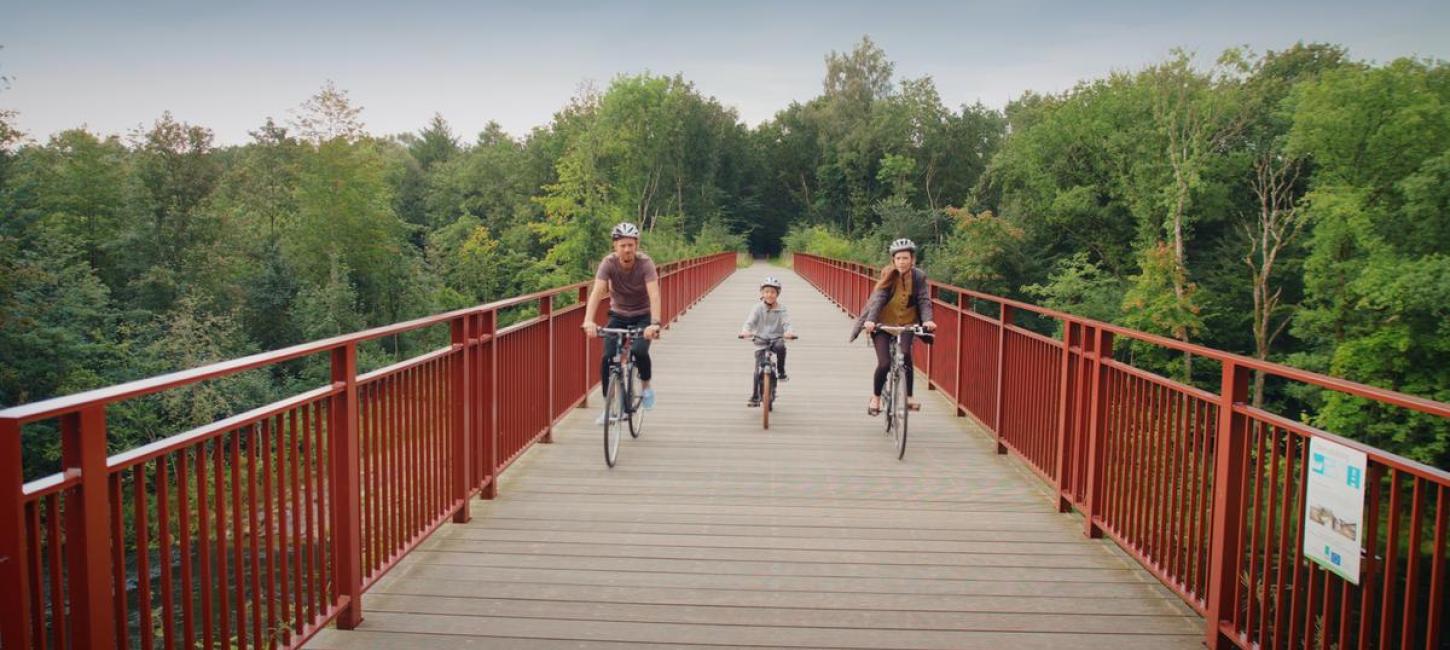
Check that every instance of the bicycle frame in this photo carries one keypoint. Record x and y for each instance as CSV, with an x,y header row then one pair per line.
x,y
623,360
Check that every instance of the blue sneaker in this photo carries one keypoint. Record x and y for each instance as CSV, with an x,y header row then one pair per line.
x,y
649,398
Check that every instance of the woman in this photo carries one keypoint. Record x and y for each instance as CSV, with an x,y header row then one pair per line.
x,y
902,297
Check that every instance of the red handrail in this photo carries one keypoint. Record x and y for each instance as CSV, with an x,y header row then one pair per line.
x,y
1204,490
260,529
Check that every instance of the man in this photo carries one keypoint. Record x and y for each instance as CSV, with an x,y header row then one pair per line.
x,y
629,278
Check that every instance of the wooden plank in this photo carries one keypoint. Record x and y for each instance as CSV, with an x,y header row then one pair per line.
x,y
1135,604
865,618
767,636
998,584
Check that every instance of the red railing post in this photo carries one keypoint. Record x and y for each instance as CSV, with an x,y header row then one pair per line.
x,y
489,329
1094,499
964,304
1070,332
461,408
1004,319
14,556
931,294
344,457
1228,493
546,310
88,529
584,376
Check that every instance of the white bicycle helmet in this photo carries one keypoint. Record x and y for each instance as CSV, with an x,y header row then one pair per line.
x,y
624,229
770,281
903,244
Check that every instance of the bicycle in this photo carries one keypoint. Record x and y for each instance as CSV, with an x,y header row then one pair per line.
x,y
767,376
896,415
622,393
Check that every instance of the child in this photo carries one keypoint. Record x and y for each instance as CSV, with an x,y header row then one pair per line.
x,y
768,320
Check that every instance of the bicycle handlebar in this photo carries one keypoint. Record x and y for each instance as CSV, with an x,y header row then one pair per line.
x,y
625,331
901,329
763,339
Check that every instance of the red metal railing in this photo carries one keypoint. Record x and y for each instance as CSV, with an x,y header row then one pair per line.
x,y
1203,489
260,529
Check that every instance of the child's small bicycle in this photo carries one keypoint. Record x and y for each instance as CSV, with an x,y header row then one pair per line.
x,y
767,377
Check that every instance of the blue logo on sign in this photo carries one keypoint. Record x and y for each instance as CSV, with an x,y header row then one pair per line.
x,y
1318,466
1353,477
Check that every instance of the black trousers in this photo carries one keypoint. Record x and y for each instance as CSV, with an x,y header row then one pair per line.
x,y
882,341
779,348
640,347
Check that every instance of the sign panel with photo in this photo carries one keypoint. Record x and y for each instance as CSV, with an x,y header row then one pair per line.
x,y
1334,507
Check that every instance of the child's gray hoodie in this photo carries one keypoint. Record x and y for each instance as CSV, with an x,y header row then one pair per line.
x,y
768,323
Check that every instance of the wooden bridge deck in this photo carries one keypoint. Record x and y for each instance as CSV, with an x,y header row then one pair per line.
x,y
713,533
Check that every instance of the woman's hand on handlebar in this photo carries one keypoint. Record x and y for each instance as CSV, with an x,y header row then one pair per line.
x,y
591,329
929,325
869,326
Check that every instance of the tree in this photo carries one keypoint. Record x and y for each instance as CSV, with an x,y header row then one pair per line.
x,y
1197,114
56,320
981,253
328,115
896,172
435,144
1375,306
177,171
79,185
1277,181
344,209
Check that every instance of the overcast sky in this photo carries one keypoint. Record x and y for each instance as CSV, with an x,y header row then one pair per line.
x,y
228,66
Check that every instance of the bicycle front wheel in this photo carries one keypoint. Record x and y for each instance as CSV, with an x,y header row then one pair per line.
x,y
767,398
899,432
614,401
888,403
635,401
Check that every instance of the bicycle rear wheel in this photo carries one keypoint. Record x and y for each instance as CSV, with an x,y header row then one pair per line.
x,y
635,401
767,397
613,418
899,432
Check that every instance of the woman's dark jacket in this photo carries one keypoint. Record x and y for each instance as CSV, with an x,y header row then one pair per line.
x,y
921,301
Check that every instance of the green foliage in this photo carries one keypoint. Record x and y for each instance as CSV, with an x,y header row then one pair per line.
x,y
344,210
981,253
1375,276
1079,286
56,320
821,240
1151,304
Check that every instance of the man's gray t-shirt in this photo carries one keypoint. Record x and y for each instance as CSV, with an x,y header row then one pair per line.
x,y
627,293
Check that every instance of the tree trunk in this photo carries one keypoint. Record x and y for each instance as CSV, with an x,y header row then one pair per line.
x,y
1278,225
